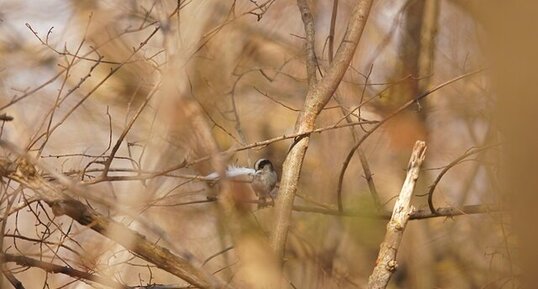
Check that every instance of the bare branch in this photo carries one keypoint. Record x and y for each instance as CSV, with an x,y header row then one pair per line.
x,y
386,260
415,215
53,268
118,143
390,116
99,84
470,152
311,60
317,97
260,144
62,204
12,279
331,30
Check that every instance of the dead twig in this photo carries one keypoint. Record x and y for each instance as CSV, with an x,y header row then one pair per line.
x,y
12,279
118,143
415,215
390,116
63,204
386,260
470,152
53,268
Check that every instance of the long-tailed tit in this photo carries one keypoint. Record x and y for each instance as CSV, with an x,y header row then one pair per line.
x,y
262,177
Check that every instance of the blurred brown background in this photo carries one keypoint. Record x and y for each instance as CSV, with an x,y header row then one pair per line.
x,y
218,75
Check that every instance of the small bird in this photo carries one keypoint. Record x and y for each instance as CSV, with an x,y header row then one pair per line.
x,y
265,179
262,177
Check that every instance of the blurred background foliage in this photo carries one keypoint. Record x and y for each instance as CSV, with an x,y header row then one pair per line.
x,y
238,68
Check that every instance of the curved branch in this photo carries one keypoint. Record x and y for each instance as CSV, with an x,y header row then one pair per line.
x,y
470,152
383,121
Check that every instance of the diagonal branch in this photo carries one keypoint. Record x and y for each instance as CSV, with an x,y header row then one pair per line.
x,y
317,97
386,260
53,268
12,279
126,130
180,266
56,196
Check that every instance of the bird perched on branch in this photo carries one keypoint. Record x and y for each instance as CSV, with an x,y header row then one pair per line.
x,y
262,177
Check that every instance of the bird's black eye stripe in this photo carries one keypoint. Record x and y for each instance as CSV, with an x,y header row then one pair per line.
x,y
263,163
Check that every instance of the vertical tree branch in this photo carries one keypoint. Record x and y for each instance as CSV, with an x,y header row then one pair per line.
x,y
331,30
311,60
317,97
386,260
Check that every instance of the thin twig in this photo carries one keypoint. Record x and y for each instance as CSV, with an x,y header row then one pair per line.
x,y
118,143
53,268
59,99
217,254
62,203
362,155
331,30
368,176
347,113
99,84
415,215
470,152
390,116
185,163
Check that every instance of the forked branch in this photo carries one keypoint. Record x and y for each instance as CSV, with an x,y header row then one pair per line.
x,y
316,98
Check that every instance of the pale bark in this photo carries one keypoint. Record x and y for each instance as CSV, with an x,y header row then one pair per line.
x,y
386,261
317,97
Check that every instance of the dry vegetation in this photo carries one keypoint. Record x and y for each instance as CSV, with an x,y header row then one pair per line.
x,y
112,113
